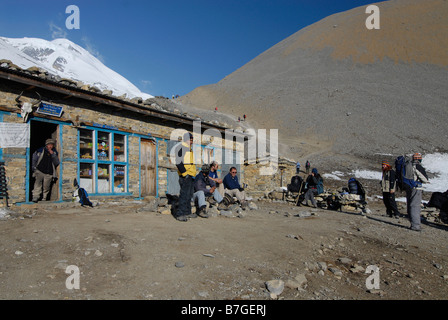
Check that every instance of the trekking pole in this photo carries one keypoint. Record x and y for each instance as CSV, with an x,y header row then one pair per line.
x,y
300,190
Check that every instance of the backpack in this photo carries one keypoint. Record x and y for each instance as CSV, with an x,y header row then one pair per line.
x,y
353,186
439,200
84,198
320,186
356,187
296,182
405,173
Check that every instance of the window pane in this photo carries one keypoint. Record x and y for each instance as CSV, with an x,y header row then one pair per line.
x,y
86,176
119,179
86,144
119,148
103,145
103,178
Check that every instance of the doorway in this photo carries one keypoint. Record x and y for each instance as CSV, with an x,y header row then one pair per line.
x,y
148,167
40,131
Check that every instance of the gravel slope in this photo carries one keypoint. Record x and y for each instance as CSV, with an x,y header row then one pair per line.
x,y
339,90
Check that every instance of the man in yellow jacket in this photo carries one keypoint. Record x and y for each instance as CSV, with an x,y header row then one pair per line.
x,y
186,169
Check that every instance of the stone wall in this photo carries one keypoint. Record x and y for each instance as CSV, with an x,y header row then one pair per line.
x,y
263,177
76,116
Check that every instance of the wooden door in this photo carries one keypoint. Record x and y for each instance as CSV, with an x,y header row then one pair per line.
x,y
148,168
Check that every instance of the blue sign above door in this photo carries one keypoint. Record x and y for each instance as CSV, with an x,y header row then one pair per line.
x,y
49,109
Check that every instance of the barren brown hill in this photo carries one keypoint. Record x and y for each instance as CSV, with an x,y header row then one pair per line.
x,y
336,88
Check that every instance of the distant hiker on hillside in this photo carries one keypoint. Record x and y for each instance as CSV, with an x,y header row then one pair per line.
x,y
414,193
233,187
307,167
297,167
388,189
314,187
244,117
216,109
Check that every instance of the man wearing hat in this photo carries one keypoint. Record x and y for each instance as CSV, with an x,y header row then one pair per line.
x,y
205,187
45,160
314,183
414,194
388,189
186,169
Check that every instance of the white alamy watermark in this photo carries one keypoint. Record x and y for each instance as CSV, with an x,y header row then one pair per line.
x,y
72,281
255,147
373,21
73,21
373,281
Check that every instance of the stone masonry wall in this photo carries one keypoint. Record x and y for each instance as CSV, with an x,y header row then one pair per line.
x,y
16,160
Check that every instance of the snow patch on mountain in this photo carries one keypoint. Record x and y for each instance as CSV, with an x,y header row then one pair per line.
x,y
66,59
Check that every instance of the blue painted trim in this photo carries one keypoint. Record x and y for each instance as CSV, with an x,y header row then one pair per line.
x,y
157,168
61,164
15,156
140,167
27,174
1,149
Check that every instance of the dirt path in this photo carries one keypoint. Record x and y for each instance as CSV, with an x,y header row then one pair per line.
x,y
125,253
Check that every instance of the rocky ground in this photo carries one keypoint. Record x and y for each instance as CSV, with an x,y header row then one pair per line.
x,y
274,251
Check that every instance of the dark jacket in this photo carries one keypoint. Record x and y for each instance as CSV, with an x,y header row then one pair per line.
x,y
315,182
44,162
201,182
230,182
388,181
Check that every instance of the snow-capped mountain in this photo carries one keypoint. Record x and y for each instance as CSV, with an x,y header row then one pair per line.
x,y
66,59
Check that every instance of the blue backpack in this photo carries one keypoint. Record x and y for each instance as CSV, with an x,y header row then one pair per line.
x,y
405,173
84,198
320,186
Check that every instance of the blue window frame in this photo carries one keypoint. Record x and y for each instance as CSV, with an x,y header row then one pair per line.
x,y
103,165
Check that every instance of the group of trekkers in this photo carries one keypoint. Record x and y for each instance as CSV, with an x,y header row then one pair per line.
x,y
407,174
204,185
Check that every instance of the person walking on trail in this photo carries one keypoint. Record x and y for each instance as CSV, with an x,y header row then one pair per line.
x,y
307,167
297,167
45,160
388,189
414,193
186,169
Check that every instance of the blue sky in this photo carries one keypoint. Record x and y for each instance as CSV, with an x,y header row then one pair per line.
x,y
173,46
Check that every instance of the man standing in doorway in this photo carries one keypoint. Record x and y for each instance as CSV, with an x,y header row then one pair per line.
x,y
45,160
186,169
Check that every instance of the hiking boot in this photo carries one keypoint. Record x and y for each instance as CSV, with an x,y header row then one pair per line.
x,y
182,218
222,206
192,215
202,212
